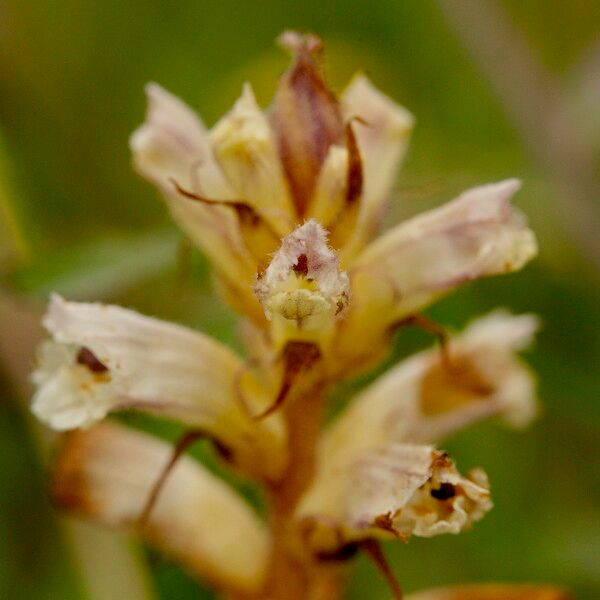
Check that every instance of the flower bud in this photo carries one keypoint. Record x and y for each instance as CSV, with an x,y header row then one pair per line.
x,y
306,118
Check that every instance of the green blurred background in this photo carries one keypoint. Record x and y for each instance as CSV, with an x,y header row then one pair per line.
x,y
499,89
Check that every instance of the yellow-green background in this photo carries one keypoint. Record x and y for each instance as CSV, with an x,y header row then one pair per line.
x,y
71,91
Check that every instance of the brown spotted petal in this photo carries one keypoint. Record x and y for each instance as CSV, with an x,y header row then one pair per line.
x,y
426,398
477,235
306,118
171,148
493,591
303,291
105,358
393,490
382,129
107,473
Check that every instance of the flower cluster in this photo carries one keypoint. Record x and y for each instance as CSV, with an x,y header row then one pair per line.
x,y
286,205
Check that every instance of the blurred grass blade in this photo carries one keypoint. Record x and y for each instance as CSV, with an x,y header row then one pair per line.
x,y
101,268
13,248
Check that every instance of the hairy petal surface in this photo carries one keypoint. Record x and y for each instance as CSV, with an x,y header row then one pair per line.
x,y
493,591
393,490
382,130
303,291
107,473
425,398
132,361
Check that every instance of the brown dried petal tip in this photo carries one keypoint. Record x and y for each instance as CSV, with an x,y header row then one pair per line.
x,y
305,116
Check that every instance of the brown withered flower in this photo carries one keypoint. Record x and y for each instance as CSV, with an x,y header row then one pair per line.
x,y
285,204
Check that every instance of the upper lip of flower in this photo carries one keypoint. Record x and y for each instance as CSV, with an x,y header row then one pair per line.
x,y
305,267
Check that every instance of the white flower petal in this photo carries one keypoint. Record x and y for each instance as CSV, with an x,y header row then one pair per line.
x,y
383,131
393,490
107,474
172,146
423,400
71,396
154,366
477,235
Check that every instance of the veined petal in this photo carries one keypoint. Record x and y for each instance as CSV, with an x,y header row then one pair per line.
x,y
173,143
172,147
132,361
493,591
477,235
247,152
303,290
306,118
424,398
393,490
107,474
382,131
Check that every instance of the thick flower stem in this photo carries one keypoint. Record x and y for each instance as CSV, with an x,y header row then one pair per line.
x,y
290,571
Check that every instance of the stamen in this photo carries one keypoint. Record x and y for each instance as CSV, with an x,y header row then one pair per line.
x,y
373,550
182,444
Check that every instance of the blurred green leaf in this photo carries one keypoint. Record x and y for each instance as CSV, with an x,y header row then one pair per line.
x,y
13,248
103,268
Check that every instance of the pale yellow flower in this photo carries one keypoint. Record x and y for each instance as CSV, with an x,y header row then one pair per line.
x,y
286,203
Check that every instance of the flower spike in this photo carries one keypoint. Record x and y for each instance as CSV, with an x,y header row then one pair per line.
x,y
286,204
